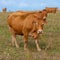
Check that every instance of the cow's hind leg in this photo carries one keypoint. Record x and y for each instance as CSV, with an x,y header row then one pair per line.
x,y
14,42
25,42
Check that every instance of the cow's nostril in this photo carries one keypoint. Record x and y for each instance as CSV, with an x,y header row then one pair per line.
x,y
40,31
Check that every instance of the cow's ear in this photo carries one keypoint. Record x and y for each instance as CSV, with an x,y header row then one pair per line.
x,y
44,9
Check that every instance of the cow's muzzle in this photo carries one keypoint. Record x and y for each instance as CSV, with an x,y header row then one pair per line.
x,y
44,17
40,31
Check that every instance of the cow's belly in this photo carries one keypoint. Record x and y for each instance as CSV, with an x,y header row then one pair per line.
x,y
17,26
18,31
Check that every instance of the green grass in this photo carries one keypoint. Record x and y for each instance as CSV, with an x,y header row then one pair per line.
x,y
51,34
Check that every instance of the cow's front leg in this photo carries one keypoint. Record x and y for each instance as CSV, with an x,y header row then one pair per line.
x,y
35,35
37,45
25,42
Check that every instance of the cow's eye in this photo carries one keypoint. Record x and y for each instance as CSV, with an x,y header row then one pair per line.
x,y
36,23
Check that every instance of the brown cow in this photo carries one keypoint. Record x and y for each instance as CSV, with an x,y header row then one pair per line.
x,y
51,10
20,25
4,9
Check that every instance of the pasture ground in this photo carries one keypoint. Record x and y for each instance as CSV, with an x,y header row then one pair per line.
x,y
51,36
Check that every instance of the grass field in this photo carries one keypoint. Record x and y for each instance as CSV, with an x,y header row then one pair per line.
x,y
51,34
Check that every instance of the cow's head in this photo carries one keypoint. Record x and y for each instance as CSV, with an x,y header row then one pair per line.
x,y
39,23
44,14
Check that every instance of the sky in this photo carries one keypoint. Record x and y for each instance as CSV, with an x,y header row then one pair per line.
x,y
30,5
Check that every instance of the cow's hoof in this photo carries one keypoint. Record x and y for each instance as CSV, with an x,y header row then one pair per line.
x,y
26,49
39,50
17,46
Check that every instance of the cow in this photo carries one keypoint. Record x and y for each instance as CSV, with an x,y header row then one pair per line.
x,y
4,9
51,10
26,24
